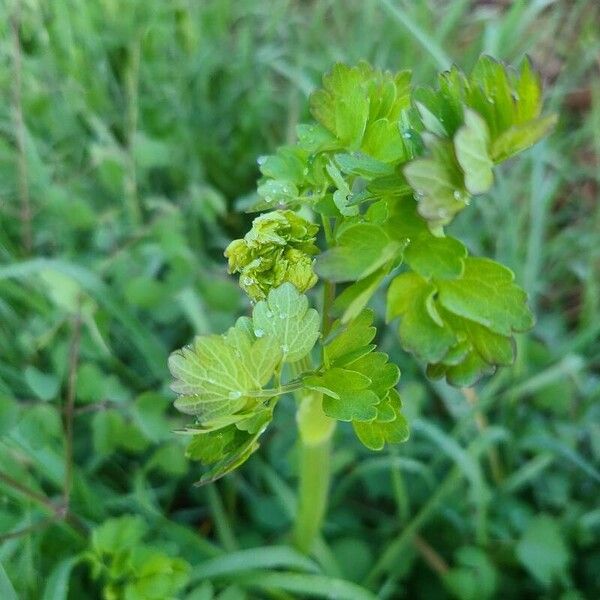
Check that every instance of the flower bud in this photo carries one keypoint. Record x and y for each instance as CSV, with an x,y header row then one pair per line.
x,y
278,248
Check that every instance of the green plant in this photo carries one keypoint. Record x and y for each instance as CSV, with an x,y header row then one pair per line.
x,y
385,167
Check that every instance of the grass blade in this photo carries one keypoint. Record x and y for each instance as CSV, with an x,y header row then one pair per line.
x,y
252,559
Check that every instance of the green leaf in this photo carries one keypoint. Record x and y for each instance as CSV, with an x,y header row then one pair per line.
x,y
352,301
343,193
9,414
356,380
278,192
529,93
471,144
438,184
118,534
347,342
375,434
463,326
494,348
57,585
468,371
422,331
436,257
522,136
285,318
491,96
287,164
383,374
229,447
425,253
475,578
362,165
543,552
348,397
360,250
307,585
314,138
236,453
43,385
217,375
7,591
383,141
441,110
486,293
342,105
255,558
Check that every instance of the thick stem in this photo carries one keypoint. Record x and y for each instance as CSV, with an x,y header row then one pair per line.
x,y
313,491
315,430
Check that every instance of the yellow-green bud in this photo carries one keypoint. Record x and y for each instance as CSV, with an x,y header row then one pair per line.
x,y
278,248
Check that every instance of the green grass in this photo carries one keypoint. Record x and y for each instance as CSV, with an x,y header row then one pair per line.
x,y
129,133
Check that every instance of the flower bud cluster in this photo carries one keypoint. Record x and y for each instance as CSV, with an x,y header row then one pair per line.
x,y
279,248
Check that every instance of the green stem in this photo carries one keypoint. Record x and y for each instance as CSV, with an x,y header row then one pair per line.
x,y
313,492
314,448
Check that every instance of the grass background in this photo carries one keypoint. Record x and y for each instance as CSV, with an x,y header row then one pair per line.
x,y
129,133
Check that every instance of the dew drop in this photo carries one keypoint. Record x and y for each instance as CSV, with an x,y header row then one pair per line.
x,y
248,281
268,314
235,395
407,135
457,195
268,199
284,348
283,316
259,333
261,160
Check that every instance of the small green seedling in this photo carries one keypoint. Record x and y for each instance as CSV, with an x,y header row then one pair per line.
x,y
384,169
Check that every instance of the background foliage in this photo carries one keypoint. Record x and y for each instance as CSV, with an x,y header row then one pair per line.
x,y
129,134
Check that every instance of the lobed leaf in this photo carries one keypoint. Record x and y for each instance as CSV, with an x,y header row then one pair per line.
x,y
383,430
286,320
217,375
462,327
